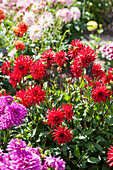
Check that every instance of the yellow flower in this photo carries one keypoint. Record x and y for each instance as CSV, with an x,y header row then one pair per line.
x,y
92,25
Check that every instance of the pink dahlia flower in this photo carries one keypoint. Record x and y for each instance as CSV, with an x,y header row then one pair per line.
x,y
13,115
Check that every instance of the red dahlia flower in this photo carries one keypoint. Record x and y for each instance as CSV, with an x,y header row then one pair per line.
x,y
62,135
86,56
15,78
60,58
2,15
68,111
55,117
48,58
19,45
20,29
38,70
23,26
100,94
36,94
110,156
96,71
6,68
109,76
22,65
17,31
76,69
75,48
25,99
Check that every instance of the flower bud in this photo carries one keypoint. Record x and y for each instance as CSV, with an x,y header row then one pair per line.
x,y
59,69
68,80
19,136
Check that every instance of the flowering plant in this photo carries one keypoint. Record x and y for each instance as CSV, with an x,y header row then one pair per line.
x,y
53,95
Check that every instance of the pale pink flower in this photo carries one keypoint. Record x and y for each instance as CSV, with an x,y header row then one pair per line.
x,y
35,6
75,12
29,18
24,5
19,14
12,53
38,5
67,2
65,14
35,32
46,20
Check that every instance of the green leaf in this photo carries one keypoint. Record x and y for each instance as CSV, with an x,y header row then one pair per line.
x,y
74,161
66,97
98,146
105,167
76,151
10,48
34,132
89,131
82,84
93,160
101,139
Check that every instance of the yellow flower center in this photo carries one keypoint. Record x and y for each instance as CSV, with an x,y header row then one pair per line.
x,y
17,142
36,31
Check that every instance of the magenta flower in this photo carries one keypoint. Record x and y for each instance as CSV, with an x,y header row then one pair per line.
x,y
53,162
25,160
13,115
4,101
33,150
16,144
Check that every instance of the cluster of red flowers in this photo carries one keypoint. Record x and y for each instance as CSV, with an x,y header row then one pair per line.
x,y
56,117
20,29
2,15
50,58
82,57
75,48
23,65
99,81
6,68
20,69
33,95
